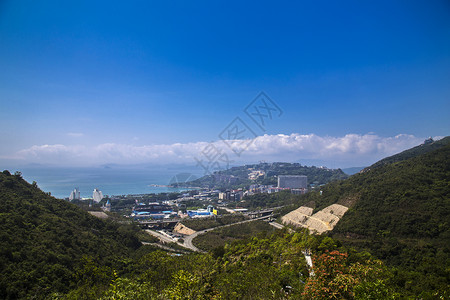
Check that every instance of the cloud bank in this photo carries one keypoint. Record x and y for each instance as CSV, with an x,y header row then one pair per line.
x,y
344,151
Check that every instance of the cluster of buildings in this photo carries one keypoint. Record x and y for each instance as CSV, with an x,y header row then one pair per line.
x,y
97,195
297,184
233,195
255,174
75,195
176,208
261,188
153,210
158,211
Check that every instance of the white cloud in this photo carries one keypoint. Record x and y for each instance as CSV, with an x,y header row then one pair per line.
x,y
350,149
344,151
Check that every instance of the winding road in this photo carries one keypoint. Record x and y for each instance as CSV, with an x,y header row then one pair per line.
x,y
188,239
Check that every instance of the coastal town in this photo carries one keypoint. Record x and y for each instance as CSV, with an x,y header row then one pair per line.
x,y
190,204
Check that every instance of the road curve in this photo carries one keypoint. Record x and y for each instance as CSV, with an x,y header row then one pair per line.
x,y
188,239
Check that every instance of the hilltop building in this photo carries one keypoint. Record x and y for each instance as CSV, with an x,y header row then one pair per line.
x,y
292,181
255,174
97,195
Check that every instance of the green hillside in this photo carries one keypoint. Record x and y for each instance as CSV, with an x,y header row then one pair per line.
x,y
427,146
51,249
266,266
400,212
49,245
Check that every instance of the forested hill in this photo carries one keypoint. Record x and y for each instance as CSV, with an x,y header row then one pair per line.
x,y
238,176
49,245
427,146
400,212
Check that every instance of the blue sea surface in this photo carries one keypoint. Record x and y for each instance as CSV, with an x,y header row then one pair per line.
x,y
115,180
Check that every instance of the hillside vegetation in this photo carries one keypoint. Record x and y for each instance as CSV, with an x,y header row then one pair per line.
x,y
219,237
427,146
49,245
51,249
400,212
267,266
198,224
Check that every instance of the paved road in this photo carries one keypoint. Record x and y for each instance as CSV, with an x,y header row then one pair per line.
x,y
227,209
188,239
280,226
162,237
276,225
166,248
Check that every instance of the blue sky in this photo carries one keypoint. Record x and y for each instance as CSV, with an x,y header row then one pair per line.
x,y
81,79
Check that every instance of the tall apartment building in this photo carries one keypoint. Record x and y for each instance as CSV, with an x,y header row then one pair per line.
x,y
292,181
97,195
75,195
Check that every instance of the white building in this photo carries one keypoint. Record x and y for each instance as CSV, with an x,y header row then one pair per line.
x,y
97,195
75,195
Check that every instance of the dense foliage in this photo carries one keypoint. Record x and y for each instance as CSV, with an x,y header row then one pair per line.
x,y
335,277
52,249
400,212
46,242
427,146
267,266
219,237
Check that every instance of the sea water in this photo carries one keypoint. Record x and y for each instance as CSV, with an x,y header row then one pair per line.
x,y
111,180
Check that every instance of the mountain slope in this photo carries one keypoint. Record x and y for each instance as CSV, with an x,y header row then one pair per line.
x,y
46,241
427,146
400,212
